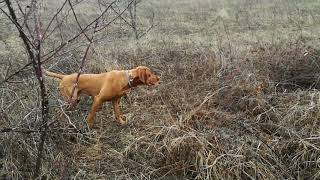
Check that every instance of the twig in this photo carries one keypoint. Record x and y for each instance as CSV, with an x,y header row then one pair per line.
x,y
24,131
119,15
57,13
25,19
75,84
16,73
56,50
129,24
206,99
76,18
14,20
35,58
53,52
44,99
147,31
69,120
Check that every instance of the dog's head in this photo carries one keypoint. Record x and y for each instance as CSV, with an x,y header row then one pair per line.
x,y
146,76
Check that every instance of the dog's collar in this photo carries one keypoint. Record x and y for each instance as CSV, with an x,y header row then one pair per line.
x,y
130,81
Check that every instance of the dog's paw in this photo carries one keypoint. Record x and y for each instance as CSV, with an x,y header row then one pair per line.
x,y
122,120
92,126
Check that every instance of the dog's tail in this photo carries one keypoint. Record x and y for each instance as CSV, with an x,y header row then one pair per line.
x,y
52,74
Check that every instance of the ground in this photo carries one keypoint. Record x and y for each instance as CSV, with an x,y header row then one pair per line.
x,y
239,96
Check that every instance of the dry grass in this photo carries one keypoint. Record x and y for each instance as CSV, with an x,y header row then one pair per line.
x,y
236,102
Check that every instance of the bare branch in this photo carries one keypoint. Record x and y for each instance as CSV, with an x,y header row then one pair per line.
x,y
21,130
25,20
146,31
47,57
44,98
14,20
16,73
82,64
35,58
56,50
76,18
52,53
58,12
119,15
129,24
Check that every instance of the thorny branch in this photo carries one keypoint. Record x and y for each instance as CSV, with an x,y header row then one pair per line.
x,y
18,26
82,64
25,21
76,18
35,58
33,45
47,57
53,18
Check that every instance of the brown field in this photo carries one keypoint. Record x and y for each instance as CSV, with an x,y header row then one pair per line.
x,y
239,97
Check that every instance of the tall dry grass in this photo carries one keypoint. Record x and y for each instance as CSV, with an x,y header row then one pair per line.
x,y
239,99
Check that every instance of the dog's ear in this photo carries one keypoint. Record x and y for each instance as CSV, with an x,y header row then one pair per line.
x,y
142,75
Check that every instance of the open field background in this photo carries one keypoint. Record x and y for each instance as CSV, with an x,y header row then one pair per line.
x,y
239,97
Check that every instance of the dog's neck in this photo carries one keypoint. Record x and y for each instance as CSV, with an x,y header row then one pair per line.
x,y
132,79
129,79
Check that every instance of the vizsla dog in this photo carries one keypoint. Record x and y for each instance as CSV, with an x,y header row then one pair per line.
x,y
109,86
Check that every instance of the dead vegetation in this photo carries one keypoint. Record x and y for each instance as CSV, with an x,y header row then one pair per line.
x,y
205,121
220,112
238,122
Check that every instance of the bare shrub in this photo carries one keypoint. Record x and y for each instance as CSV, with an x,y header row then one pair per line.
x,y
227,108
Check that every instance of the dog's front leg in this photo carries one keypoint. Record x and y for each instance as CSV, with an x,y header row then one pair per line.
x,y
97,102
117,111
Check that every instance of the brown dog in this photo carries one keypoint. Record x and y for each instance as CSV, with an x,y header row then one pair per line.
x,y
109,86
